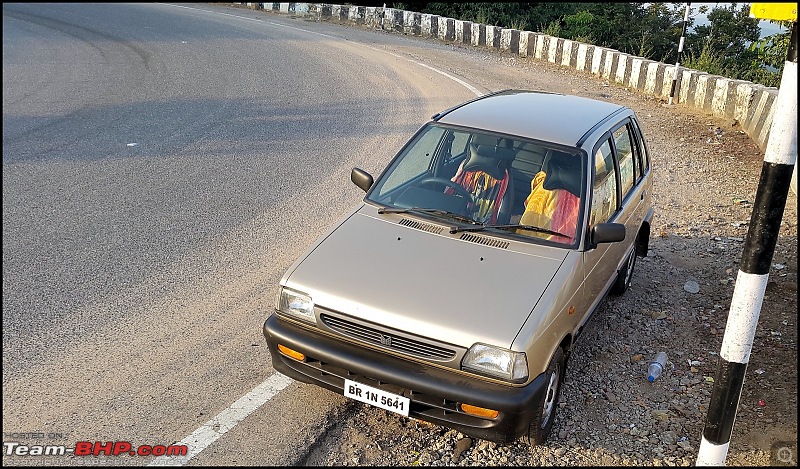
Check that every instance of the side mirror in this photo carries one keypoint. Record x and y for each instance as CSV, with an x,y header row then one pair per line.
x,y
361,179
608,233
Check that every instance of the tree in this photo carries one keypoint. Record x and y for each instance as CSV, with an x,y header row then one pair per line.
x,y
661,31
723,44
770,57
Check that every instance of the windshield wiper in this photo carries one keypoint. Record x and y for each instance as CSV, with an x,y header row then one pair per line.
x,y
434,211
506,227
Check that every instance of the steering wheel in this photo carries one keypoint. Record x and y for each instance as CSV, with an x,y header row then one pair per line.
x,y
458,188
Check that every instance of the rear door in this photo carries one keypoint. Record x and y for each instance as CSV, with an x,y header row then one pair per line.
x,y
616,196
632,191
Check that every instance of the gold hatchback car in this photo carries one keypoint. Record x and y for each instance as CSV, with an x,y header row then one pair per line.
x,y
455,291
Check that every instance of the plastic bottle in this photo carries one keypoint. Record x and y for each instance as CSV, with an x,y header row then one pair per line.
x,y
657,366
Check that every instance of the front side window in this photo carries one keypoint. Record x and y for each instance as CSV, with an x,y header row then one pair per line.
x,y
415,162
484,181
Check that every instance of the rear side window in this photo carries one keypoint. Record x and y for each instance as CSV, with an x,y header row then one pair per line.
x,y
604,189
624,147
642,156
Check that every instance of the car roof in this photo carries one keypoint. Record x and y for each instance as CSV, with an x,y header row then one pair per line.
x,y
551,117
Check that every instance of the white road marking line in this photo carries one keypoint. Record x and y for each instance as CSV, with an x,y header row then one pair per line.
x,y
212,430
455,79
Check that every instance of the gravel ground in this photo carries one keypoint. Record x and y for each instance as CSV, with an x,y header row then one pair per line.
x,y
706,173
678,302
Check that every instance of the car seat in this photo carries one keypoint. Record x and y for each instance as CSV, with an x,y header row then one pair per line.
x,y
485,175
554,202
562,171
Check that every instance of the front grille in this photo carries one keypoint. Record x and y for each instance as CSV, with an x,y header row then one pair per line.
x,y
387,340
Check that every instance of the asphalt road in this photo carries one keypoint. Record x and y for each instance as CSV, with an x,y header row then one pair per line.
x,y
162,167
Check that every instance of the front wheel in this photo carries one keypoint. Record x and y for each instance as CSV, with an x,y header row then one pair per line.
x,y
545,410
625,275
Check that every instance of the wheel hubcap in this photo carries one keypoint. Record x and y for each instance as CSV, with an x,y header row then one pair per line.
x,y
550,396
629,269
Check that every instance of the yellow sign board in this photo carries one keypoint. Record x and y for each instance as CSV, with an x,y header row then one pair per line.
x,y
774,11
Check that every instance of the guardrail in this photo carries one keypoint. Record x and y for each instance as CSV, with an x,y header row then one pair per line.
x,y
750,104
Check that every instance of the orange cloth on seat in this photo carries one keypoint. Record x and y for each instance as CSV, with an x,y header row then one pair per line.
x,y
555,210
488,193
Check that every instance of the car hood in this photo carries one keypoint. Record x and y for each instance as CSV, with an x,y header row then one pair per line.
x,y
402,273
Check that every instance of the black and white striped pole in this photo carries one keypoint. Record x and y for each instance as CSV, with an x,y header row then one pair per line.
x,y
678,59
751,283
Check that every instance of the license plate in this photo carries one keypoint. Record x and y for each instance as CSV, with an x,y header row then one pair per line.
x,y
377,397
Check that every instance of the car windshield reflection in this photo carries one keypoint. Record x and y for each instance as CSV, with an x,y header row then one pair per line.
x,y
514,186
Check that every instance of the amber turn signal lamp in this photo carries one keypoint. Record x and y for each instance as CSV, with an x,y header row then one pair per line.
x,y
479,411
291,353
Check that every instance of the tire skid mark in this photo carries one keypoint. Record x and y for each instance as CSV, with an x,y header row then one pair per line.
x,y
80,33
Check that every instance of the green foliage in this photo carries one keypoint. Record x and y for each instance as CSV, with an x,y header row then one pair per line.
x,y
553,29
535,16
724,46
771,50
519,24
707,61
763,76
579,26
661,30
770,57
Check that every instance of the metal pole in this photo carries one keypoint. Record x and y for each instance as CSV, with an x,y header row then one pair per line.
x,y
779,162
678,59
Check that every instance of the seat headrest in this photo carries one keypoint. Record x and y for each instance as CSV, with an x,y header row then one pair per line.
x,y
502,142
483,139
489,159
490,151
562,171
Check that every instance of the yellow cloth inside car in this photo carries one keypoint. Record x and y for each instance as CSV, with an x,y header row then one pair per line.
x,y
555,210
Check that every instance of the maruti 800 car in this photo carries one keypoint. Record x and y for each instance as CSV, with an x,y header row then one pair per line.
x,y
455,291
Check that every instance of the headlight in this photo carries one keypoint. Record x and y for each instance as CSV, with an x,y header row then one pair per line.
x,y
296,304
496,362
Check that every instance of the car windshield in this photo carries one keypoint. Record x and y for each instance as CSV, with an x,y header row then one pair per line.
x,y
493,183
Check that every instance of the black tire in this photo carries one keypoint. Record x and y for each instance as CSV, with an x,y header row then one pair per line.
x,y
625,275
545,411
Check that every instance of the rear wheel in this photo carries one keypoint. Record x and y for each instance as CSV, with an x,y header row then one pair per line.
x,y
545,410
625,275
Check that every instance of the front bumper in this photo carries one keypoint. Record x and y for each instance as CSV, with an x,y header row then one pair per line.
x,y
435,394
